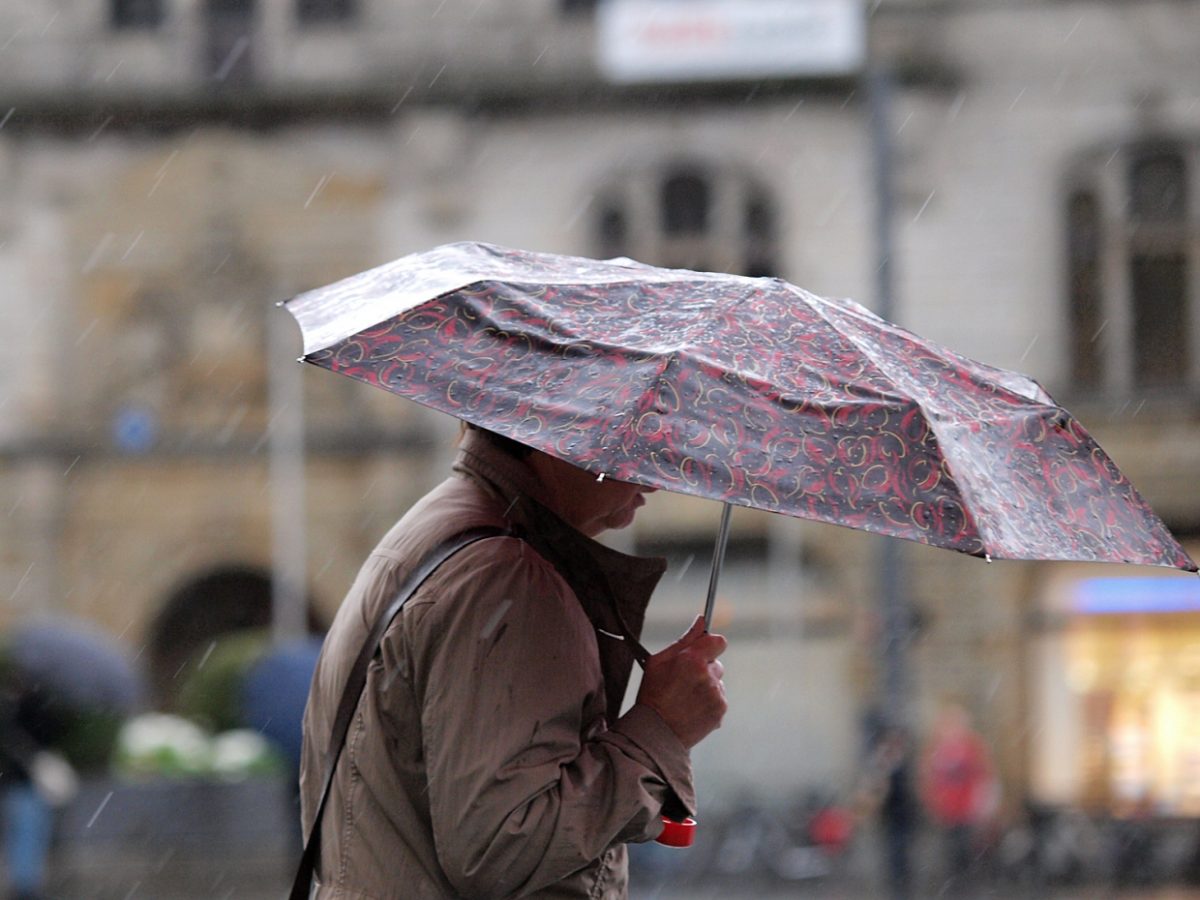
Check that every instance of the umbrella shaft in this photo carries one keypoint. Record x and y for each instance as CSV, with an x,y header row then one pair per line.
x,y
717,561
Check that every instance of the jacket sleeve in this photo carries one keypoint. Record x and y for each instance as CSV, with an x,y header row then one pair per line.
x,y
527,782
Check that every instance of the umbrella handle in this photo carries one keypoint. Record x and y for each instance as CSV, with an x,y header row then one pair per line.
x,y
677,834
717,561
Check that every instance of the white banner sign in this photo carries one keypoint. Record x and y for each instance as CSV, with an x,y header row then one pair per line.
x,y
716,40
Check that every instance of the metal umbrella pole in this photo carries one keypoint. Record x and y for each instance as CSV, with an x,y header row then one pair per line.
x,y
718,561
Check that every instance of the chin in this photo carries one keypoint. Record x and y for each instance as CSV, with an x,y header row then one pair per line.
x,y
622,519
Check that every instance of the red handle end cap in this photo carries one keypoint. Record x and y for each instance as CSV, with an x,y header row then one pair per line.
x,y
677,834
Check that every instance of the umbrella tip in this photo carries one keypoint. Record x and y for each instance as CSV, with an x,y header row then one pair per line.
x,y
600,477
987,557
301,359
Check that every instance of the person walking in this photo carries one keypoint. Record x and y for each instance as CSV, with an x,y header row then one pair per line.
x,y
957,782
488,756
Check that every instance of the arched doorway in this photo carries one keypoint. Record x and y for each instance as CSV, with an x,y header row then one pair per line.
x,y
215,604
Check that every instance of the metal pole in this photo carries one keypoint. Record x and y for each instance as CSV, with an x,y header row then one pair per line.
x,y
893,610
893,598
289,574
718,560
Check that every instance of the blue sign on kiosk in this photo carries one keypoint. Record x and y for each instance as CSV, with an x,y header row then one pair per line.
x,y
1110,596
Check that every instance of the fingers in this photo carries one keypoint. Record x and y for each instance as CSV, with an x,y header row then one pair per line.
x,y
683,684
701,641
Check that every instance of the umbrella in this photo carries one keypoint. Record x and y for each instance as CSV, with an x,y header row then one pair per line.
x,y
275,690
72,685
75,664
750,391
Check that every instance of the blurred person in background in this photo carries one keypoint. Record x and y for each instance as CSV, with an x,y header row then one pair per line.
x,y
488,756
886,791
957,787
34,781
65,689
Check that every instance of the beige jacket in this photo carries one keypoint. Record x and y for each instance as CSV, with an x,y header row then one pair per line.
x,y
487,757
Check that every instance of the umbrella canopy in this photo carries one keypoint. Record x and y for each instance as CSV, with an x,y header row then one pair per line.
x,y
70,686
275,691
751,391
74,664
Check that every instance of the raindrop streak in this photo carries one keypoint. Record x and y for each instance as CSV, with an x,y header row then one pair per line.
x,y
1029,348
1103,325
239,48
403,97
7,116
438,75
161,172
98,253
492,622
580,210
687,564
538,59
207,653
923,205
99,809
46,27
1067,36
95,134
320,185
134,244
109,76
1016,100
956,106
20,584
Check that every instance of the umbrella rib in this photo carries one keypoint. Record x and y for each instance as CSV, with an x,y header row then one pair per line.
x,y
962,490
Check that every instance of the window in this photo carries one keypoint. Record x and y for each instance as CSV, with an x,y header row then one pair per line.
x,y
578,7
229,41
135,14
1132,279
690,216
325,12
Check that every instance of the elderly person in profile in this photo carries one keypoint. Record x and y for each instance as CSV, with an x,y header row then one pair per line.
x,y
488,756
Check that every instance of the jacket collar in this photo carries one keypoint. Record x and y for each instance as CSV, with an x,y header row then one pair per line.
x,y
614,588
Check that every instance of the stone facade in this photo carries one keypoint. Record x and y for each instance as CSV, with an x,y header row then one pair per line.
x,y
158,197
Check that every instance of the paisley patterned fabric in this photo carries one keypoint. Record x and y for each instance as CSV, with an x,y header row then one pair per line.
x,y
745,390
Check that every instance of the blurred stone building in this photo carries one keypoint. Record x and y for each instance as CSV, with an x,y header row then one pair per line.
x,y
169,169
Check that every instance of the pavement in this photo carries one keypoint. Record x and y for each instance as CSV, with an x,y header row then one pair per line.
x,y
193,841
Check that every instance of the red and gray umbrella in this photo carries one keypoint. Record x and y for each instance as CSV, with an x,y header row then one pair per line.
x,y
749,391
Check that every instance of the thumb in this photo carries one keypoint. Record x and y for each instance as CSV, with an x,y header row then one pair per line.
x,y
698,628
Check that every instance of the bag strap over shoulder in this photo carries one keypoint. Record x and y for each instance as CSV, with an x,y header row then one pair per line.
x,y
357,680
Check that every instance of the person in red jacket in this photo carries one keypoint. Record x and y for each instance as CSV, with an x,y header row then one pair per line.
x,y
956,785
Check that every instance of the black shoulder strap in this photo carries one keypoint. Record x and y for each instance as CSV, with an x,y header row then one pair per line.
x,y
356,681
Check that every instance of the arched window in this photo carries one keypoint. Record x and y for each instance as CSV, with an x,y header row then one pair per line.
x,y
691,216
1133,278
